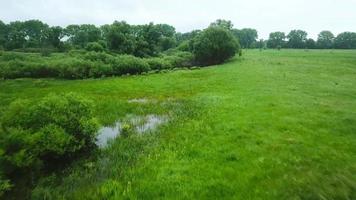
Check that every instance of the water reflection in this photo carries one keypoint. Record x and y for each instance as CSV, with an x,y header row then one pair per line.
x,y
141,124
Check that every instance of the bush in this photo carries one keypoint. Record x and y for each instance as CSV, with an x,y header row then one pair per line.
x,y
83,64
9,56
17,69
214,45
126,64
46,52
158,63
51,132
94,46
4,186
74,68
99,57
180,59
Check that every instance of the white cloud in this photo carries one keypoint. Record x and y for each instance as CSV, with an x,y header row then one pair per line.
x,y
266,16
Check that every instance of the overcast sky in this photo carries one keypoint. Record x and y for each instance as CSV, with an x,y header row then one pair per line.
x,y
264,15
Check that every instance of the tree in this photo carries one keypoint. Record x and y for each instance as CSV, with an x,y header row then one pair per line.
x,y
297,39
276,40
227,24
54,36
214,45
261,44
119,37
16,37
346,40
246,36
94,46
3,34
310,44
34,33
167,39
80,35
325,40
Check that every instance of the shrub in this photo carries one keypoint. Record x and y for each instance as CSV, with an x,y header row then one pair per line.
x,y
74,68
83,64
184,46
158,63
52,131
4,186
214,45
99,56
94,46
46,52
9,56
126,64
98,70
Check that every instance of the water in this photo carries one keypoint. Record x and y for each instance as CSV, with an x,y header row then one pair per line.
x,y
150,122
107,133
142,124
143,100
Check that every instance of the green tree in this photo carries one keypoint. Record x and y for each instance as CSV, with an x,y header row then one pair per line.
x,y
346,40
94,46
260,44
310,44
227,24
325,40
34,33
3,34
276,40
16,37
119,37
54,36
246,36
297,39
80,35
214,45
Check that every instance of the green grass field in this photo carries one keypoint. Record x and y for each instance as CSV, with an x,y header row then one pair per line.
x,y
269,125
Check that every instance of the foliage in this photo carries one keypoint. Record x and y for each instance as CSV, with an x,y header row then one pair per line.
x,y
247,36
325,40
4,186
94,46
276,39
159,63
346,40
86,64
310,44
50,132
214,45
226,24
297,39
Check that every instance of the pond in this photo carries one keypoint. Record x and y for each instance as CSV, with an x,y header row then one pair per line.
x,y
142,124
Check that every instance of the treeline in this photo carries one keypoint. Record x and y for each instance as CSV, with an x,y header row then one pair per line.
x,y
149,39
111,50
120,37
298,39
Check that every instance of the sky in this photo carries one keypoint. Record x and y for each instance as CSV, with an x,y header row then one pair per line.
x,y
266,16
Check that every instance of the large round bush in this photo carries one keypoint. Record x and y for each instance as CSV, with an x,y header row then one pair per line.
x,y
51,131
214,45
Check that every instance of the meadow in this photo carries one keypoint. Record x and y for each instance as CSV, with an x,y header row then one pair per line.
x,y
268,125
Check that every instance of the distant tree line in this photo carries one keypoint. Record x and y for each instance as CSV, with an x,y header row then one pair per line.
x,y
149,39
139,40
298,39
